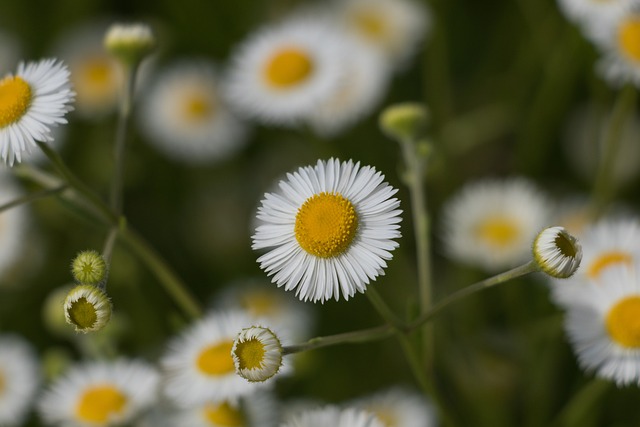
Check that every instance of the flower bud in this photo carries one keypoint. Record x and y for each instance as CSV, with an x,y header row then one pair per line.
x,y
257,354
557,252
89,267
87,308
129,42
406,121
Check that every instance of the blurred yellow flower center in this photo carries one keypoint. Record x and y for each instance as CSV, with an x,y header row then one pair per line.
x,y
2,384
197,107
608,259
288,67
629,37
326,224
15,98
216,359
224,415
250,353
498,231
259,303
623,322
99,404
387,417
94,79
82,313
371,23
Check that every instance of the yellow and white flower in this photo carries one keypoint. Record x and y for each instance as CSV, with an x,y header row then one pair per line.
x,y
100,394
399,407
32,101
283,71
19,379
330,231
185,116
257,354
591,15
491,223
620,43
334,417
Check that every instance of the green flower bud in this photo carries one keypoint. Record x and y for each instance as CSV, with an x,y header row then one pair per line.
x,y
130,43
89,267
406,121
557,252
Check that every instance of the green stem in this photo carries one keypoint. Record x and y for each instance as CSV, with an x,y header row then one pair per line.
x,y
353,337
33,197
603,188
109,244
121,137
583,406
167,277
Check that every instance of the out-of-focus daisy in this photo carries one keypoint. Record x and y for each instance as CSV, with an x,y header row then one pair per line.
x,y
184,115
283,71
198,365
256,410
330,230
282,310
589,14
607,244
100,394
334,417
96,76
366,77
13,226
32,101
604,329
393,27
620,42
398,407
19,379
492,223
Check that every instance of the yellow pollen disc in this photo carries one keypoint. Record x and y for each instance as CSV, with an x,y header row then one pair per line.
x,y
224,415
216,359
498,231
250,353
607,259
371,23
99,404
288,67
629,37
326,224
623,322
15,98
2,384
83,314
387,417
197,107
259,303
95,79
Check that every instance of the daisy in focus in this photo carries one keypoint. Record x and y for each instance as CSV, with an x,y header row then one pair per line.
x,y
604,328
100,394
334,417
283,71
329,231
185,117
32,101
198,364
19,379
491,223
397,407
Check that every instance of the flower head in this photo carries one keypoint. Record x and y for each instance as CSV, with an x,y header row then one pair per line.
x,y
557,252
334,417
330,231
257,354
32,101
87,308
89,267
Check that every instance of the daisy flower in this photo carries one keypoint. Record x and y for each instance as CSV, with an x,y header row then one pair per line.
x,y
398,407
392,27
100,394
620,42
198,364
329,231
257,354
588,14
609,243
491,223
13,226
604,329
19,379
185,117
334,417
32,101
283,71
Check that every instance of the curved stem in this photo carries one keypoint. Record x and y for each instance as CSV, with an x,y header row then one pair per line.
x,y
33,197
353,337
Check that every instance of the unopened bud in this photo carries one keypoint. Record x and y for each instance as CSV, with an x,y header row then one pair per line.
x,y
406,121
557,252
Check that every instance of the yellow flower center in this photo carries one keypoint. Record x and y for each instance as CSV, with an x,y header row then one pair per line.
x,y
216,359
259,303
15,99
623,322
197,107
326,224
95,77
250,353
629,37
288,67
498,231
99,403
387,417
2,384
607,259
371,24
224,415
83,314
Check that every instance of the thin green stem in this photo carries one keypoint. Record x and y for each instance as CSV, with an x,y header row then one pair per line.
x,y
121,137
353,337
109,243
38,195
603,188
